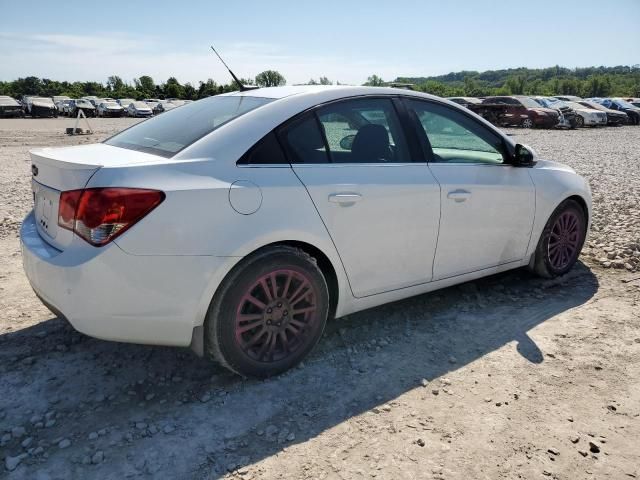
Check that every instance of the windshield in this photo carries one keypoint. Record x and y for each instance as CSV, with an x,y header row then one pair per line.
x,y
576,106
593,105
111,104
172,131
140,105
8,101
126,101
622,103
528,102
42,100
553,103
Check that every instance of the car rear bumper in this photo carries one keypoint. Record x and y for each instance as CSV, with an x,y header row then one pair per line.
x,y
110,294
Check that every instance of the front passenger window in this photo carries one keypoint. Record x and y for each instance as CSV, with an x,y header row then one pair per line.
x,y
454,137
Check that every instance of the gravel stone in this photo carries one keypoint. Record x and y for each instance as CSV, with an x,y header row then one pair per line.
x,y
97,457
64,443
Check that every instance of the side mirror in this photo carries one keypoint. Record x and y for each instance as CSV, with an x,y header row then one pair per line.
x,y
524,156
347,142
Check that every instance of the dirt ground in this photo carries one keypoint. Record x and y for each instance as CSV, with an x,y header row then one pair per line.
x,y
507,377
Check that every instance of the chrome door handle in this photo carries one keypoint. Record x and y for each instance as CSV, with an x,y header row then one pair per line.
x,y
459,195
345,198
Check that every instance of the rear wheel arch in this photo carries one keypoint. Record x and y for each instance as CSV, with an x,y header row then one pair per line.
x,y
324,264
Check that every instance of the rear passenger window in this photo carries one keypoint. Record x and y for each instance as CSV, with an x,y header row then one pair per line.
x,y
266,152
363,131
304,142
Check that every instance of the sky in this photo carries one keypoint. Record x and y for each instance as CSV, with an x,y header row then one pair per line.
x,y
344,40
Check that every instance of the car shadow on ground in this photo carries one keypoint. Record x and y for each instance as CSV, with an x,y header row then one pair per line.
x,y
165,410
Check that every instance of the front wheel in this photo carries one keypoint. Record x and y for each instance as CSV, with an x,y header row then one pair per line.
x,y
561,240
579,121
268,313
527,123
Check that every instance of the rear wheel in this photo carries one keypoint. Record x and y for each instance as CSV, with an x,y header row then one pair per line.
x,y
561,240
579,121
268,314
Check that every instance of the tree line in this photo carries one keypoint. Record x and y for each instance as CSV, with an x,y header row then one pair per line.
x,y
142,87
620,81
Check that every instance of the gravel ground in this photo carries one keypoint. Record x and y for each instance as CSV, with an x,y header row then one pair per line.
x,y
507,377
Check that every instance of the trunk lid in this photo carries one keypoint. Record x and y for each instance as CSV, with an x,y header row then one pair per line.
x,y
57,170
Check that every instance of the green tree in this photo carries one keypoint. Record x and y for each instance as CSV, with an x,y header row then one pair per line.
x,y
173,89
374,81
270,78
145,86
115,83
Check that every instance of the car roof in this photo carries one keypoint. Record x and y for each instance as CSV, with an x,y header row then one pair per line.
x,y
340,91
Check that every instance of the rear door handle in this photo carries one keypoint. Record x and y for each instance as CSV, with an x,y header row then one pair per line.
x,y
459,195
345,198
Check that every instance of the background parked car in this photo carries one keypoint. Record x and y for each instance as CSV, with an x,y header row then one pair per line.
x,y
110,109
524,112
139,109
75,106
92,99
614,117
64,107
152,102
465,101
589,117
39,106
10,107
125,102
57,101
620,105
568,98
568,116
165,106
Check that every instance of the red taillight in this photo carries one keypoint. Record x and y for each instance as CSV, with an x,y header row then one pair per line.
x,y
98,215
67,208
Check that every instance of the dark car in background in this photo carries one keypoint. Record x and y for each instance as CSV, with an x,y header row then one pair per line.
x,y
620,105
614,117
524,112
10,107
39,106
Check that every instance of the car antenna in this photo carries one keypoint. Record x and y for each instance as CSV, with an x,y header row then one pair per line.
x,y
235,79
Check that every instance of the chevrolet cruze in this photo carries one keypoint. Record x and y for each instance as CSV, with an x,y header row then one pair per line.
x,y
239,223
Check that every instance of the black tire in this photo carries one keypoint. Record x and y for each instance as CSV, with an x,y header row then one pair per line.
x,y
579,121
542,262
229,347
528,123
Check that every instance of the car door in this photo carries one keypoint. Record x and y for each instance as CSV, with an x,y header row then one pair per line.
x,y
487,205
380,206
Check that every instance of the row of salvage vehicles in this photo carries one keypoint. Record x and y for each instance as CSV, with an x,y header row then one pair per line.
x,y
35,106
549,112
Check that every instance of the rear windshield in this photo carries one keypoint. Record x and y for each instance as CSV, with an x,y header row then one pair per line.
x,y
167,134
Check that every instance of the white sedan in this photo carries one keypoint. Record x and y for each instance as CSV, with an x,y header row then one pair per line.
x,y
239,223
139,109
586,116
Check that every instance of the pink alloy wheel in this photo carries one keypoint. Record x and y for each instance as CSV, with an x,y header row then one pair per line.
x,y
275,315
